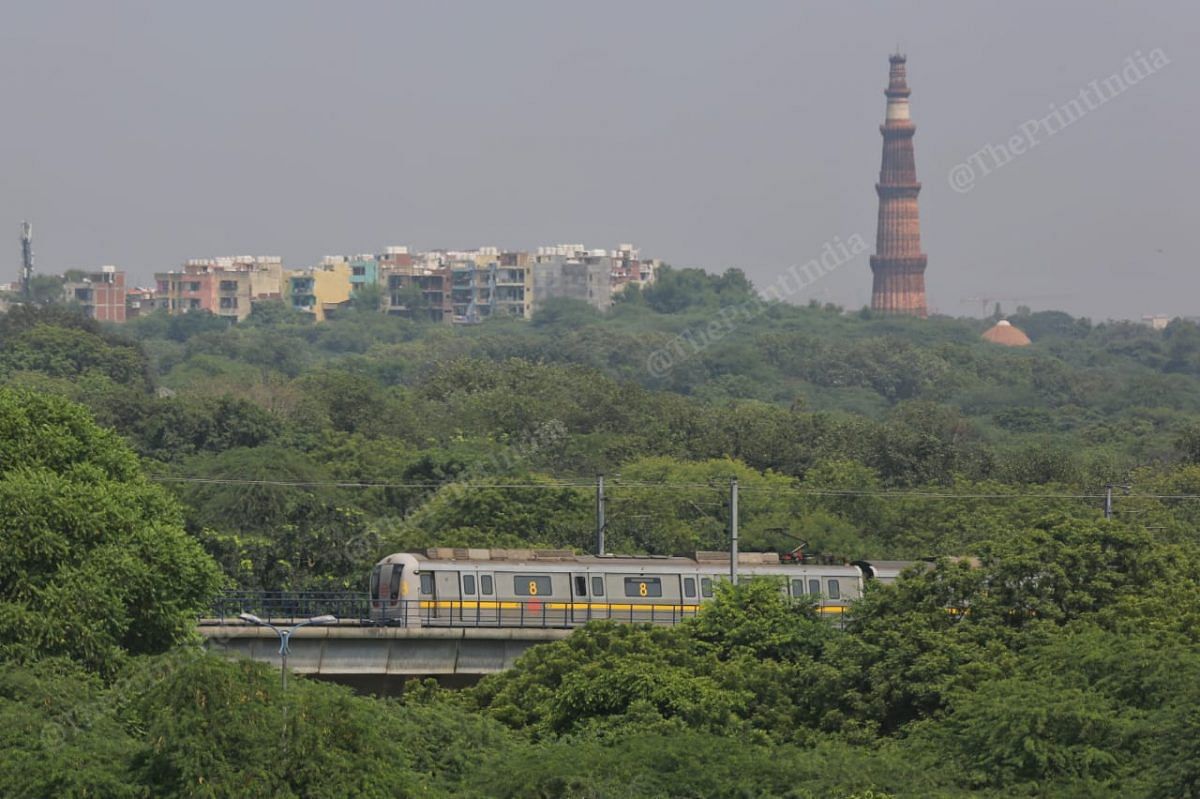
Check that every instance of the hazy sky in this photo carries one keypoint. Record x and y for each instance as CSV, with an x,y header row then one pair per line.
x,y
711,135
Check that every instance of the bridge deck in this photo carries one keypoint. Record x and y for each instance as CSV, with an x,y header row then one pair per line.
x,y
350,648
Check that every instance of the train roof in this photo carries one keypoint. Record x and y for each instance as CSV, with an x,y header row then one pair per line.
x,y
898,565
478,555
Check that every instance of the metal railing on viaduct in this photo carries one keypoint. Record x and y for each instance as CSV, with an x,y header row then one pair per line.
x,y
357,608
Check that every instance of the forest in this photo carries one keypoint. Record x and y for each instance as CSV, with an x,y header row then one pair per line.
x,y
173,457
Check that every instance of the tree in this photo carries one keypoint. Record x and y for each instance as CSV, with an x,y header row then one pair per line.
x,y
756,618
543,514
94,562
60,736
676,290
211,727
277,313
1015,730
608,675
565,313
43,290
59,342
368,297
174,428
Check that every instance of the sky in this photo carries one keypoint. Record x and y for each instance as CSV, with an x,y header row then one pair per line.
x,y
712,135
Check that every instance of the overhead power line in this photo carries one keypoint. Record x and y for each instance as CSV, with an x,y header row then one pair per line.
x,y
655,486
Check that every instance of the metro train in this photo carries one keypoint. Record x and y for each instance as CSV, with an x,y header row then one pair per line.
x,y
456,587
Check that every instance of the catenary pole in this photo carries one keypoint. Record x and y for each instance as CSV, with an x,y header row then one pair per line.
x,y
733,531
600,514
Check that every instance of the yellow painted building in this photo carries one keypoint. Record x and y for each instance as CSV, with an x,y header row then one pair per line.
x,y
319,289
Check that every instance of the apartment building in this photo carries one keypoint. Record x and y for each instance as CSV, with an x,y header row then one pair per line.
x,y
101,295
584,276
629,268
319,290
226,286
461,286
479,292
139,302
401,287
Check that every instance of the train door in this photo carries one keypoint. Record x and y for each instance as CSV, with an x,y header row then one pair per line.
x,y
489,606
427,598
600,606
468,609
447,602
581,600
691,596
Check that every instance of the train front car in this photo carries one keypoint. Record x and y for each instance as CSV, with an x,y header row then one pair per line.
x,y
393,588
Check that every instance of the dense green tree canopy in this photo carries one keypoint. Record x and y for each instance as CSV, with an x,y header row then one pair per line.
x,y
1061,661
96,562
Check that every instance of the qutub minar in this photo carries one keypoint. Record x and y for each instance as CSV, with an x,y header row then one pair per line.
x,y
898,263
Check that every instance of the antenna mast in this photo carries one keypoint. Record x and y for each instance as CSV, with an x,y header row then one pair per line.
x,y
26,260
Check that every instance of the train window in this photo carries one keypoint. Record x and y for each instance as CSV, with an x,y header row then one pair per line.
x,y
814,587
797,588
485,584
394,583
468,585
580,585
835,590
689,587
597,586
426,583
706,587
374,589
643,586
532,585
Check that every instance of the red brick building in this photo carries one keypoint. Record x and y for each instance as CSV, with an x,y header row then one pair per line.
x,y
101,294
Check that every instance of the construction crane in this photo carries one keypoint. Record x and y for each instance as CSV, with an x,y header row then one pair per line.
x,y
984,302
27,261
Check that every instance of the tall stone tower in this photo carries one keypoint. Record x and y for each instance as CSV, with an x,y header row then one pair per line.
x,y
898,263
